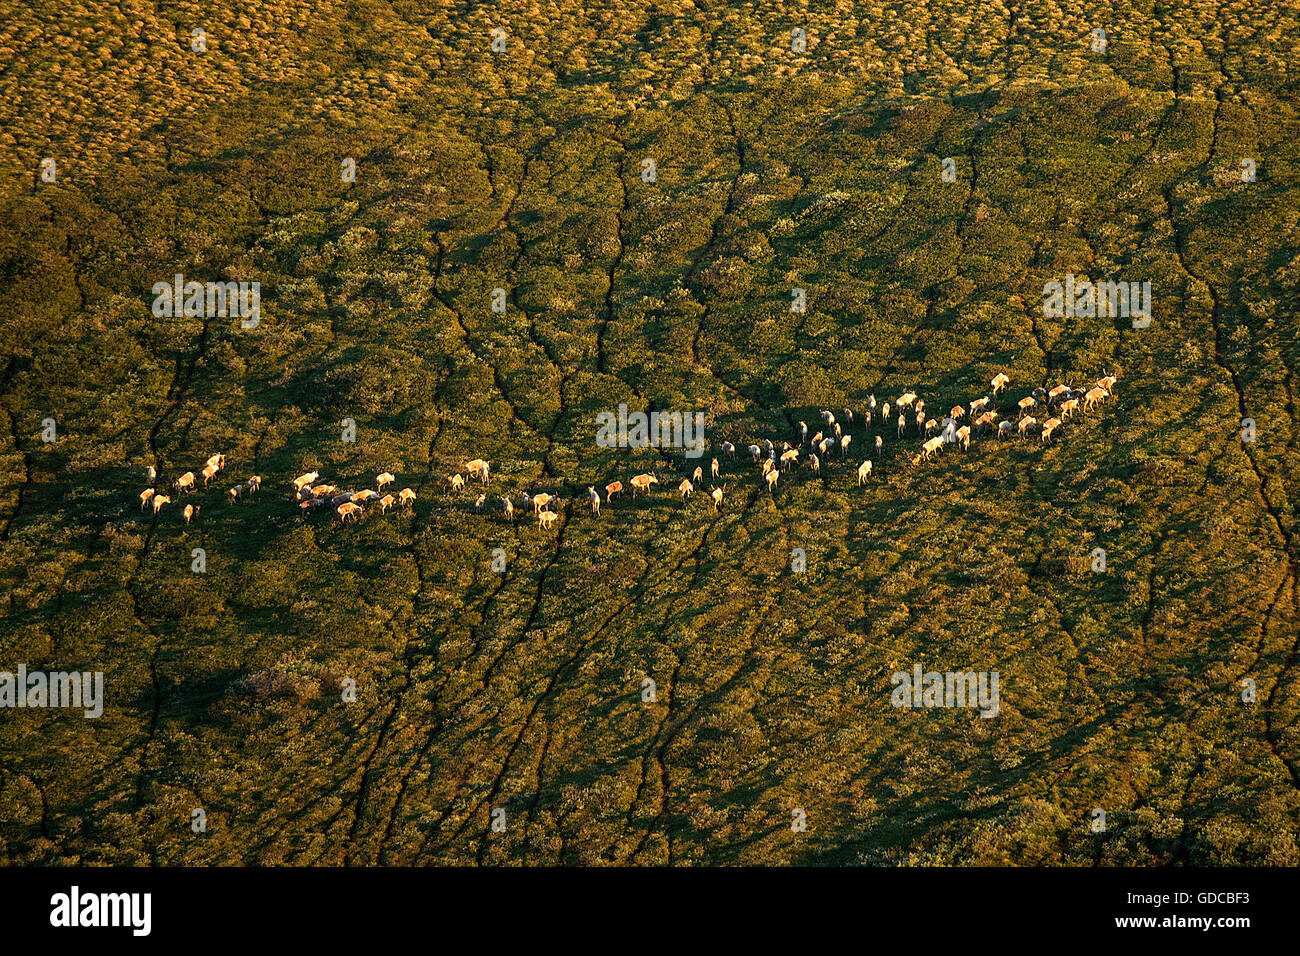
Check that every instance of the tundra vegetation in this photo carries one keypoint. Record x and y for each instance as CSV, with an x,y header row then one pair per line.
x,y
500,666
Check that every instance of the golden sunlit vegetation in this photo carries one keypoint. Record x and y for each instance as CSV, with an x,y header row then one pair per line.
x,y
522,690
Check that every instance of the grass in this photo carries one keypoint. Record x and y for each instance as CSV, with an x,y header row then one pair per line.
x,y
522,690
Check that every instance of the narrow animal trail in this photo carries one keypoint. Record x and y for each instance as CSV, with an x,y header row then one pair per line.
x,y
692,279
16,440
624,213
670,735
507,222
1271,508
458,318
176,395
1269,505
441,714
658,640
1032,313
420,602
669,729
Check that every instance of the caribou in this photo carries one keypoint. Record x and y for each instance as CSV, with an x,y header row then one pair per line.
x,y
643,483
864,470
612,489
1095,396
999,382
384,478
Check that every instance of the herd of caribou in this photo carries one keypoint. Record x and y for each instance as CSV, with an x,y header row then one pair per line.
x,y
310,497
1057,405
189,482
